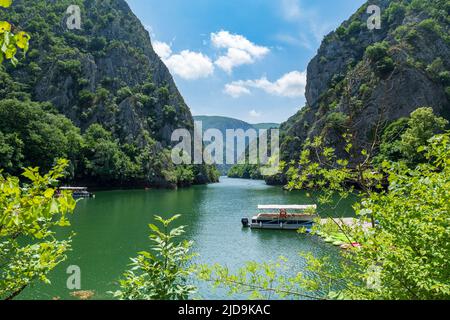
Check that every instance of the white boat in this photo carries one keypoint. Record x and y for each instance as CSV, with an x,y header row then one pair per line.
x,y
282,217
78,192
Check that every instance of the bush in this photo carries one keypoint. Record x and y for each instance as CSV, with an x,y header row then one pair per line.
x,y
170,113
337,120
354,28
123,93
378,55
429,25
377,51
163,272
38,135
86,98
98,44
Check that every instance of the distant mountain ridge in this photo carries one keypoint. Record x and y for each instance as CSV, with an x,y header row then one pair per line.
x,y
224,123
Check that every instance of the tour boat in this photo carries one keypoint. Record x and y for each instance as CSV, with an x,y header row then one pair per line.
x,y
299,216
78,192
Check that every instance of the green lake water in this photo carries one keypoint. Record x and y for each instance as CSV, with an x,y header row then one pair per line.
x,y
114,226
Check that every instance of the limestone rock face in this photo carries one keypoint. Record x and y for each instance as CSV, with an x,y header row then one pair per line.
x,y
105,73
112,52
343,79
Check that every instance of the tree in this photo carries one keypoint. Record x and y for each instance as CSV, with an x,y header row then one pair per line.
x,y
10,42
37,136
29,215
162,273
104,158
422,125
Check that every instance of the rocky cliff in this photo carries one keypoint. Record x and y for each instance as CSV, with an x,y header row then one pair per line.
x,y
362,79
106,73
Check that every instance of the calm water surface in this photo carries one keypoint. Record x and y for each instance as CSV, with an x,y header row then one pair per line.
x,y
114,226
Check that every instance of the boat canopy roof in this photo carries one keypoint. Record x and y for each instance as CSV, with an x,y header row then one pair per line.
x,y
74,188
286,207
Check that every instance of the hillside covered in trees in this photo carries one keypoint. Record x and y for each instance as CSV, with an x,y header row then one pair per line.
x,y
223,124
98,96
366,82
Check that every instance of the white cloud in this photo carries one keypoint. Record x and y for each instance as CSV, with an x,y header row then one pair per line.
x,y
162,49
187,64
290,85
255,114
190,65
240,50
234,58
236,91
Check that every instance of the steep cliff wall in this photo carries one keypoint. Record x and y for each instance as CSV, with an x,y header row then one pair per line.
x,y
362,79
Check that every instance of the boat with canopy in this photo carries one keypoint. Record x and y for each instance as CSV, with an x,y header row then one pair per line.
x,y
282,217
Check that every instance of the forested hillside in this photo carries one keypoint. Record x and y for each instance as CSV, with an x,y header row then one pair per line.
x,y
362,81
223,124
98,96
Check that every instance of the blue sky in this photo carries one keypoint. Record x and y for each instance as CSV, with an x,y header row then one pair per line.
x,y
244,59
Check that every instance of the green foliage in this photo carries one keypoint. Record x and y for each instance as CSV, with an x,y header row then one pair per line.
x,y
403,137
341,31
379,56
104,158
29,215
423,124
337,120
260,281
391,146
98,43
435,68
245,171
395,12
37,137
429,25
170,113
11,42
124,93
86,98
163,272
184,175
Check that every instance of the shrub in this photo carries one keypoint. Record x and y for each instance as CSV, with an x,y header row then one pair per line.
x,y
337,120
123,93
86,98
161,273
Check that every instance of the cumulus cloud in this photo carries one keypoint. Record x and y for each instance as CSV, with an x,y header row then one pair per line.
x,y
290,85
187,64
240,50
190,65
236,91
162,49
255,114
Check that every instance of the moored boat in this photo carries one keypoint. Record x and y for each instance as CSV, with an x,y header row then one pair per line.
x,y
282,217
78,192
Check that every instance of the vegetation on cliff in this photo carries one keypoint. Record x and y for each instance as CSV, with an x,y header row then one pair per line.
x,y
98,96
363,81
